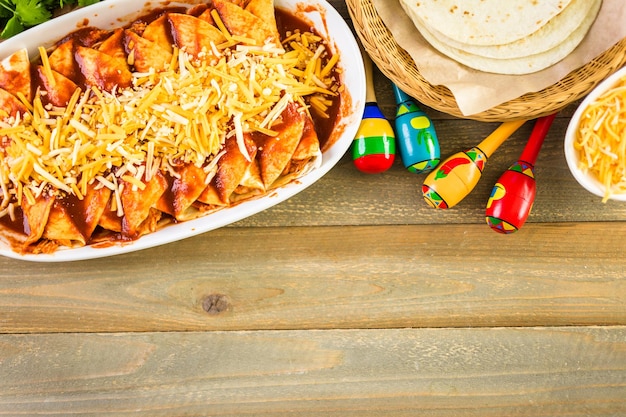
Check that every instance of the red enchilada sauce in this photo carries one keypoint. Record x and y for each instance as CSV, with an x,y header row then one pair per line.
x,y
287,23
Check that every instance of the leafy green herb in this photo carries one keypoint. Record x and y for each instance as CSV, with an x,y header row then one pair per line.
x,y
19,15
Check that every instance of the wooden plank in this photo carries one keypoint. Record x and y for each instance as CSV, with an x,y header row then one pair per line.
x,y
331,277
426,372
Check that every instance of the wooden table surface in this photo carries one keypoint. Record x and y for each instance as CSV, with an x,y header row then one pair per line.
x,y
351,299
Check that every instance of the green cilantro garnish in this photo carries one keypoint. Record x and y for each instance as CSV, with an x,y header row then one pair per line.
x,y
19,15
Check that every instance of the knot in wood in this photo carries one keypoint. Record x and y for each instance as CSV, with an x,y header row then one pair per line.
x,y
215,303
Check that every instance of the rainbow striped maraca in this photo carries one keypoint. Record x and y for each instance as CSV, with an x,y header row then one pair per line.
x,y
374,145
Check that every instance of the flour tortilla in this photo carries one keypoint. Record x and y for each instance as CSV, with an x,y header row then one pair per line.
x,y
549,36
521,65
486,22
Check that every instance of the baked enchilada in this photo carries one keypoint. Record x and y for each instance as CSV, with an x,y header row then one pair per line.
x,y
111,133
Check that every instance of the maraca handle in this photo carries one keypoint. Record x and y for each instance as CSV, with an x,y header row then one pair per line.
x,y
492,142
400,96
370,93
537,136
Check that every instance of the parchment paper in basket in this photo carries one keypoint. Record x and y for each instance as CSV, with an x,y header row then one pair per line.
x,y
476,91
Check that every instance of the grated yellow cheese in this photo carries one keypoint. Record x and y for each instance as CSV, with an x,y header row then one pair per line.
x,y
182,114
601,139
220,24
46,66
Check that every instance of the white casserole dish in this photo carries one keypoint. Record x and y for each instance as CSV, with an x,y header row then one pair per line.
x,y
111,14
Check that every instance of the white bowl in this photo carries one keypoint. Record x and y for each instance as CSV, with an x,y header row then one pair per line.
x,y
588,180
115,13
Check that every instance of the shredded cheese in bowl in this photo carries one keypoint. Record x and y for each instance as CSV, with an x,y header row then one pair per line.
x,y
598,140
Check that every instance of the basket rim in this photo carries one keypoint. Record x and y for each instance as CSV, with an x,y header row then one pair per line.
x,y
400,68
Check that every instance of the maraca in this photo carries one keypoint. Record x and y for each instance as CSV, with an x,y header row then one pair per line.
x,y
513,195
374,145
417,139
457,176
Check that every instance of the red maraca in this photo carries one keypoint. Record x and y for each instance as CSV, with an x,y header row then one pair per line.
x,y
513,195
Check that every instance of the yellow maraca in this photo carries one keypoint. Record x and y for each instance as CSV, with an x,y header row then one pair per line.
x,y
457,176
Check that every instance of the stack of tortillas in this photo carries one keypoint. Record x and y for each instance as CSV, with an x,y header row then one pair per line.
x,y
503,36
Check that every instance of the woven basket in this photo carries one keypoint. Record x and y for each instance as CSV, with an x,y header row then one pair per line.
x,y
399,67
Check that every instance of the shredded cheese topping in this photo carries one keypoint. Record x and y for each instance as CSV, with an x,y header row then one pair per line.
x,y
601,139
183,114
